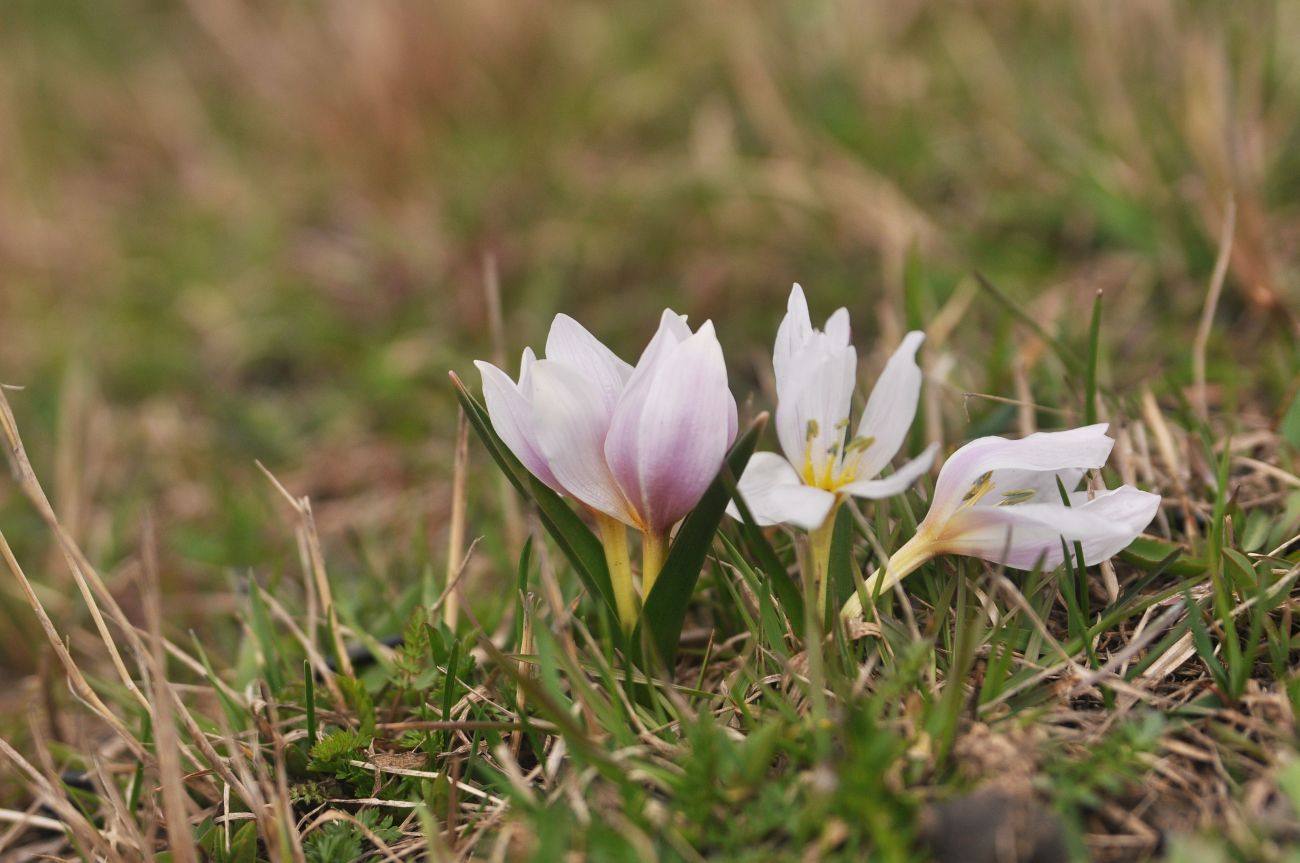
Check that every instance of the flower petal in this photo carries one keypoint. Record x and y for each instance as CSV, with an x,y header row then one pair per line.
x,y
897,482
672,331
672,428
1019,536
1080,448
572,422
812,409
793,334
891,408
570,343
775,494
1037,486
837,328
512,417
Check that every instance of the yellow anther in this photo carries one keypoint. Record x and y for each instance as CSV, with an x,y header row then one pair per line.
x,y
1012,498
859,444
979,488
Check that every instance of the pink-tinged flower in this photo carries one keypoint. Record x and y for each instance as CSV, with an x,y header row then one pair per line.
x,y
998,500
816,371
640,445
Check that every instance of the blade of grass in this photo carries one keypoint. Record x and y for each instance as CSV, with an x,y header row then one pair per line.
x,y
1017,311
1090,382
665,608
574,538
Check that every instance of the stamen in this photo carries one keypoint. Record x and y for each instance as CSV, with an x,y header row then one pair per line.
x,y
979,488
1012,498
859,444
809,470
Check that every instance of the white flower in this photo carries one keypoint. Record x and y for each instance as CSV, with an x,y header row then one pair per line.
x,y
998,500
815,375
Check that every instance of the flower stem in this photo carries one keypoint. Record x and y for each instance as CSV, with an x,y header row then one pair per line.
x,y
819,547
654,549
613,536
901,564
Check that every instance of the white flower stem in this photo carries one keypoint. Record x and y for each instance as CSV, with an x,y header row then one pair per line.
x,y
654,549
613,536
901,564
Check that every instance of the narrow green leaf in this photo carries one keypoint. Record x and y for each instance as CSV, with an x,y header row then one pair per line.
x,y
1153,554
573,537
752,535
260,621
243,845
840,565
1017,311
1205,649
1094,343
665,608
309,693
449,690
1289,427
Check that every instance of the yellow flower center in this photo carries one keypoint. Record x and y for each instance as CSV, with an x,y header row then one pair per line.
x,y
838,468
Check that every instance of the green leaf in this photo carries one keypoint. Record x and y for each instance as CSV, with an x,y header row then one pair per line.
x,y
264,633
840,565
243,845
665,608
335,748
1289,428
1017,311
768,561
354,691
1094,341
574,538
1150,554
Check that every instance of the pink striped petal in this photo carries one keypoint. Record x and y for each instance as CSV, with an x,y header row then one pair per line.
x,y
1080,448
572,421
511,413
1020,536
570,343
671,429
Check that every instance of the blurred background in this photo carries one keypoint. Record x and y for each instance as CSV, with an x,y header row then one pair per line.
x,y
234,230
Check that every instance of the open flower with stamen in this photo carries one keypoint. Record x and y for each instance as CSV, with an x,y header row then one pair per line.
x,y
999,500
638,446
826,461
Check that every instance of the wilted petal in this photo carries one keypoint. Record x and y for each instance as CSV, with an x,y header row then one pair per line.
x,y
774,494
1080,448
570,343
812,410
671,430
512,417
892,407
897,482
1019,536
572,421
